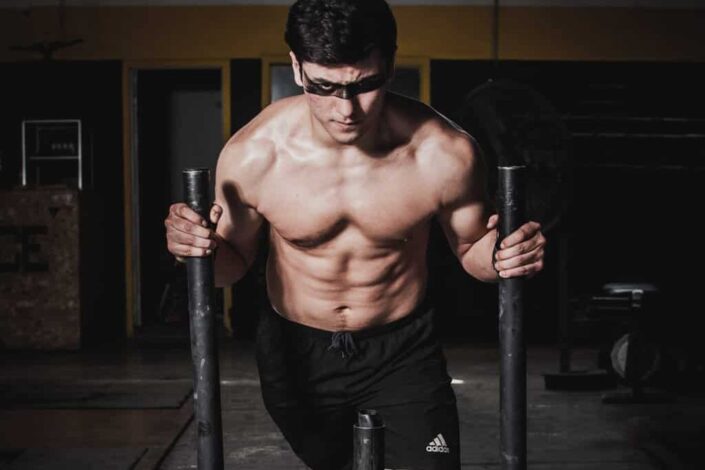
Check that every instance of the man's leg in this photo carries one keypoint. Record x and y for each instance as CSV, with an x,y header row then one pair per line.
x,y
412,392
319,433
322,439
421,435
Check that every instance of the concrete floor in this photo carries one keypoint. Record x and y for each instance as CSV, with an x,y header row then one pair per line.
x,y
566,430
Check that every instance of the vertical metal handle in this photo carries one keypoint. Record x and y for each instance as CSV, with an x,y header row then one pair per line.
x,y
368,441
511,329
204,350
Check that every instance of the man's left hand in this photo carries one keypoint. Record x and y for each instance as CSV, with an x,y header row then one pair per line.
x,y
521,252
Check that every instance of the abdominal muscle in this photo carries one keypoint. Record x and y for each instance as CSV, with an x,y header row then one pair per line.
x,y
335,289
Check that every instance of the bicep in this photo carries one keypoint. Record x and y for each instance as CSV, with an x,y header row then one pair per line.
x,y
464,224
239,223
465,207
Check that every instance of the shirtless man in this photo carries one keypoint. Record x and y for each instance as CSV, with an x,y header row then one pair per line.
x,y
349,177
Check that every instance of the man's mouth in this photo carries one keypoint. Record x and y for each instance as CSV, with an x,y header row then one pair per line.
x,y
347,123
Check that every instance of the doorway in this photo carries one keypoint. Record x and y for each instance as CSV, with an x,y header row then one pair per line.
x,y
177,123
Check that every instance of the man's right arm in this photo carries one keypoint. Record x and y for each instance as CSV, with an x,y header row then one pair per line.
x,y
239,172
241,167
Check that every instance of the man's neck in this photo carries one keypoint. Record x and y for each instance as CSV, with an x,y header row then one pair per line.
x,y
367,143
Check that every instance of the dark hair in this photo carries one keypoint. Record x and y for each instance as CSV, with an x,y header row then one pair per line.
x,y
329,32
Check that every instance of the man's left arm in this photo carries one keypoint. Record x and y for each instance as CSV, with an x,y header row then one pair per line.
x,y
471,230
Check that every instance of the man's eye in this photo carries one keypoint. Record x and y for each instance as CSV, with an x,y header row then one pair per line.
x,y
324,87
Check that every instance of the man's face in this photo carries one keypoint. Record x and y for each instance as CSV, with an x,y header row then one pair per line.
x,y
345,99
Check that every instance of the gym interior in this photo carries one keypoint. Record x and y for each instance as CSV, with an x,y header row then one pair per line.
x,y
104,103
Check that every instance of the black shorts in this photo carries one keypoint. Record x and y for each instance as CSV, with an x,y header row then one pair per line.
x,y
314,382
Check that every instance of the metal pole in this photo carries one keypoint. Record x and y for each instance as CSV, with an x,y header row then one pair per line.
x,y
368,441
564,311
204,351
511,330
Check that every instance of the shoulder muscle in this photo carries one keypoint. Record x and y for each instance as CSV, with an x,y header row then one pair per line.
x,y
455,163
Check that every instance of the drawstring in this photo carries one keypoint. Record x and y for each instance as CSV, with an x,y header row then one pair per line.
x,y
343,342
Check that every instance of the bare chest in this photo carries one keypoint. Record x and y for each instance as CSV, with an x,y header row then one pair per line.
x,y
311,205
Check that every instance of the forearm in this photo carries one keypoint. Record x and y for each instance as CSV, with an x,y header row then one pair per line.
x,y
477,260
230,265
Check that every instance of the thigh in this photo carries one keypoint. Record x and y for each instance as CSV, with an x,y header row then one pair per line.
x,y
422,435
416,401
321,436
322,439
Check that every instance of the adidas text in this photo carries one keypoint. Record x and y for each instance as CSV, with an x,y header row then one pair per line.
x,y
442,449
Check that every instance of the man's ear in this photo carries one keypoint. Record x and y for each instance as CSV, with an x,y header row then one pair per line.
x,y
391,69
296,67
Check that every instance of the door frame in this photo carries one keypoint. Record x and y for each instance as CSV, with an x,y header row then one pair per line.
x,y
131,173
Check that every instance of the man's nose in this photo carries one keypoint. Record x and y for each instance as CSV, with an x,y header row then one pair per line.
x,y
347,106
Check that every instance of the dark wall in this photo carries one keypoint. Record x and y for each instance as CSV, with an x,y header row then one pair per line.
x,y
249,294
90,91
638,138
245,91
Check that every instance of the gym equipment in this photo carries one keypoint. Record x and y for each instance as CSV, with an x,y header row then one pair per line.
x,y
204,351
517,128
516,125
512,347
368,441
511,118
634,357
567,378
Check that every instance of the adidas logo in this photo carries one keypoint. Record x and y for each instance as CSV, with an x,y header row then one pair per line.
x,y
438,445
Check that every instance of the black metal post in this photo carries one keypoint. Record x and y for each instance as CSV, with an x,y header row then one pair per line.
x,y
564,311
511,329
368,441
204,351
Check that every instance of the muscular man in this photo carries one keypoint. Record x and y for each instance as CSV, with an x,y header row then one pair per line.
x,y
349,177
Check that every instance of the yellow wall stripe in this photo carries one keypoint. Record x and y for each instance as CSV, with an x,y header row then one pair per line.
x,y
444,32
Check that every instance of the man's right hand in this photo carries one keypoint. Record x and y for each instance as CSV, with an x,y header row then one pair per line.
x,y
187,234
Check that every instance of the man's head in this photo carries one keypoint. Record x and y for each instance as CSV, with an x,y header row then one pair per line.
x,y
343,54
335,32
